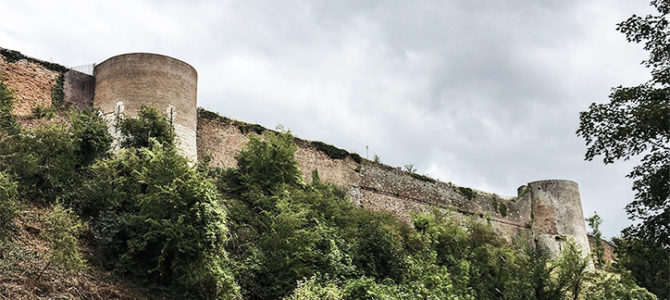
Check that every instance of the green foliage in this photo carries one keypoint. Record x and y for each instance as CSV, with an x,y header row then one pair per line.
x,y
63,228
160,220
330,150
42,112
8,124
599,252
467,192
306,241
44,162
57,92
422,177
243,127
311,289
150,124
262,167
49,160
89,132
636,123
602,285
648,263
12,56
355,157
8,203
502,209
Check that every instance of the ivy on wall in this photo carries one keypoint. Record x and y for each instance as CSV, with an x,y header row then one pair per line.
x,y
13,56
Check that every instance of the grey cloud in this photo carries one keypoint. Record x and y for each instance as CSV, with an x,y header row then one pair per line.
x,y
481,93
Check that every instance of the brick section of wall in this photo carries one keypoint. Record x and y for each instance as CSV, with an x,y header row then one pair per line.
x,y
376,186
31,83
609,254
79,89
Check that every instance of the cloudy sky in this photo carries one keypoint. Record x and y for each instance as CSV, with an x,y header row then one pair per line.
x,y
485,94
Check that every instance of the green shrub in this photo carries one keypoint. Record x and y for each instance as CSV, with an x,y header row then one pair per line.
x,y
160,220
89,133
44,163
603,285
40,111
330,150
50,160
311,289
8,124
57,92
467,192
63,228
137,132
8,203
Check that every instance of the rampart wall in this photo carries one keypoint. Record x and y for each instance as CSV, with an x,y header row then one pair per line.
x,y
373,185
548,212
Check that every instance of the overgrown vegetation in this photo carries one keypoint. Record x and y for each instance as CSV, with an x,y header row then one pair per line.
x,y
258,231
599,251
635,123
13,56
243,127
467,192
57,92
63,230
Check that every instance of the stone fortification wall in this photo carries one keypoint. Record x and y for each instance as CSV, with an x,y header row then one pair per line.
x,y
557,214
39,83
124,83
30,80
549,212
373,185
79,89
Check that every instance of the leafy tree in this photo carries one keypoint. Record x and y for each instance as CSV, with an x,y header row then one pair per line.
x,y
599,252
137,132
602,285
636,122
90,134
158,219
49,161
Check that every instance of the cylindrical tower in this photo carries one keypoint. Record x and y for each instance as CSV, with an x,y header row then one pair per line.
x,y
557,215
126,82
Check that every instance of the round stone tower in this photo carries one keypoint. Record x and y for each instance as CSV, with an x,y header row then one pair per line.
x,y
557,215
126,82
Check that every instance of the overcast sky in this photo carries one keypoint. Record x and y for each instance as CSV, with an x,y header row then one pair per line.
x,y
484,94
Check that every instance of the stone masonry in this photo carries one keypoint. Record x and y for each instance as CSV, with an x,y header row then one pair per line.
x,y
547,212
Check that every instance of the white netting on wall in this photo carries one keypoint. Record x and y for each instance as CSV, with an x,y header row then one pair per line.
x,y
87,69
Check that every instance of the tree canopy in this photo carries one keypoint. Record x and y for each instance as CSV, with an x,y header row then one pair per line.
x,y
636,124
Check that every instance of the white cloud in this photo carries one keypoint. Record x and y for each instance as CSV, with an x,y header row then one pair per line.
x,y
483,94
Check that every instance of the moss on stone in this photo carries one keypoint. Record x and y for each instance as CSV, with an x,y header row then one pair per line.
x,y
13,56
467,192
330,150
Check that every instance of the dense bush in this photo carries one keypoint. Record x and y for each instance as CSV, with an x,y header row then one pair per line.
x,y
160,220
49,160
8,203
137,132
8,124
63,229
